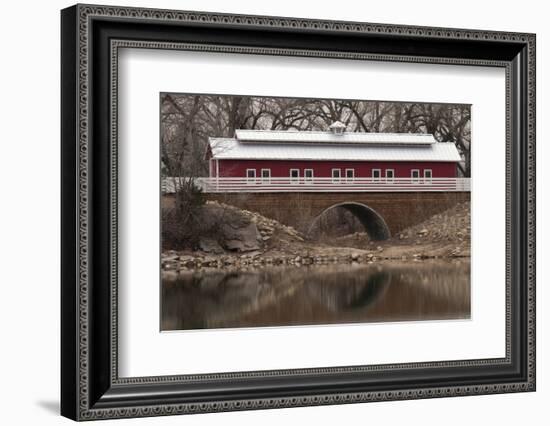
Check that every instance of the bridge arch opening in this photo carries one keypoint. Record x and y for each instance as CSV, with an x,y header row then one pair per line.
x,y
373,223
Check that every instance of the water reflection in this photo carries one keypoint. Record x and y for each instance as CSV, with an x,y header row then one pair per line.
x,y
281,296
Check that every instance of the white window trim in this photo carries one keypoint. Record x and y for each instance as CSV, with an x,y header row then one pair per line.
x,y
426,178
376,179
352,178
306,178
336,179
266,179
415,179
294,179
252,179
388,178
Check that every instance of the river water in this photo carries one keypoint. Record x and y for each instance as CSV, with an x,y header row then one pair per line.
x,y
328,294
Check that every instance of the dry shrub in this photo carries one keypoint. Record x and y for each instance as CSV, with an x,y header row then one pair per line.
x,y
191,220
182,225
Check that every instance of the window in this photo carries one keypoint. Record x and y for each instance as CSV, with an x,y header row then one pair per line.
x,y
428,175
250,175
350,175
415,175
266,175
390,174
336,175
376,173
294,175
308,175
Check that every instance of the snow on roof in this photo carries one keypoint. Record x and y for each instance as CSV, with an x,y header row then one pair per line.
x,y
296,136
308,149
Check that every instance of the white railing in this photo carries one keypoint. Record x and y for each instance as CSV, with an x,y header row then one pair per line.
x,y
222,185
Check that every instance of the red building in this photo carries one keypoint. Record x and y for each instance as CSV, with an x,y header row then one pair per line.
x,y
302,156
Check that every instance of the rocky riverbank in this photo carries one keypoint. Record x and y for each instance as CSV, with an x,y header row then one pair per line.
x,y
443,235
256,241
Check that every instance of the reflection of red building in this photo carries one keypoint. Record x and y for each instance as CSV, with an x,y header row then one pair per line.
x,y
336,154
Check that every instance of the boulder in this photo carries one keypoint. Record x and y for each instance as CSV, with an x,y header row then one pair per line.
x,y
209,245
242,238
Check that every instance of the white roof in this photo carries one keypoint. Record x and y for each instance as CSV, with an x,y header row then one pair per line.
x,y
296,148
295,136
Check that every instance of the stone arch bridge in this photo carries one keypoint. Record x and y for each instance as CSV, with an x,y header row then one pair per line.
x,y
383,207
383,214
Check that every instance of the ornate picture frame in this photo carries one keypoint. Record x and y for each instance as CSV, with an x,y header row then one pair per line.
x,y
91,38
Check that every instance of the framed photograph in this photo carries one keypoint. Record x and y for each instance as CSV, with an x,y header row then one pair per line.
x,y
263,212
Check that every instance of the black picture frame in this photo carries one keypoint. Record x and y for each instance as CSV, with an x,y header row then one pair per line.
x,y
90,386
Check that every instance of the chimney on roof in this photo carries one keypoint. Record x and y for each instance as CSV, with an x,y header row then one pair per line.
x,y
337,128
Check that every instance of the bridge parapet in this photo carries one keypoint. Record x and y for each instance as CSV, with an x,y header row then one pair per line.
x,y
342,184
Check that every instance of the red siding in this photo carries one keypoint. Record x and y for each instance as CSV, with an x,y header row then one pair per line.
x,y
402,169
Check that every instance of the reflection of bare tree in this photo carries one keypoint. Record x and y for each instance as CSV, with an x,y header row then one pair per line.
x,y
217,299
317,295
360,290
188,120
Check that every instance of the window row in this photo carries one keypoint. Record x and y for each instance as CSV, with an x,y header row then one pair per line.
x,y
265,174
390,174
349,174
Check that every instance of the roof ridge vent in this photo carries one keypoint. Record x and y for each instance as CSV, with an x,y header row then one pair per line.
x,y
337,128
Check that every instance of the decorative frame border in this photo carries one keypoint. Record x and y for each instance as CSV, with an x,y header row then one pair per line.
x,y
116,45
85,14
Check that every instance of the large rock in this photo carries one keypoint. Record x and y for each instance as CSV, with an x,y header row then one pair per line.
x,y
241,238
209,245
